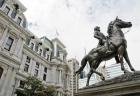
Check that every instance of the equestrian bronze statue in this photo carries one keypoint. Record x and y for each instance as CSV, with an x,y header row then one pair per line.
x,y
112,46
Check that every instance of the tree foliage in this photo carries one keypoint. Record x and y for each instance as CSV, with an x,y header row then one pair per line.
x,y
34,87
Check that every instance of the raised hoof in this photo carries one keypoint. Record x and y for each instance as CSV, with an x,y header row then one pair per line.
x,y
103,78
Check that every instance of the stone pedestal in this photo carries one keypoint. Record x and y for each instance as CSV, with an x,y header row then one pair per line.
x,y
124,85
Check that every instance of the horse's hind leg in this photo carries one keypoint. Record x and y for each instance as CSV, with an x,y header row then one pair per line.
x,y
117,59
93,65
100,74
89,76
127,60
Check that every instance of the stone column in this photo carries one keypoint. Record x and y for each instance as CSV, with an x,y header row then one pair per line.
x,y
3,37
41,73
54,74
2,79
23,62
6,83
55,49
19,47
48,76
32,66
11,83
59,76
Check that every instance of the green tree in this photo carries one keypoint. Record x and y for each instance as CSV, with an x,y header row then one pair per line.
x,y
34,87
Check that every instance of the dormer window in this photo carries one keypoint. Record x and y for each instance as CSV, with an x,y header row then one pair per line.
x,y
40,52
28,59
19,20
6,10
37,65
32,46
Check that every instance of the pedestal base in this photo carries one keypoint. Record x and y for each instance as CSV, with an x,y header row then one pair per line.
x,y
124,85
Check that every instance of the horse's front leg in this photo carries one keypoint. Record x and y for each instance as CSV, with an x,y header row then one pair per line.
x,y
120,53
83,64
128,61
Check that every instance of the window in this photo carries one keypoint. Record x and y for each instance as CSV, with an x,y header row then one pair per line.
x,y
26,67
45,69
13,14
19,20
58,53
48,57
1,71
6,10
9,43
1,2
40,52
37,65
32,46
22,84
44,52
36,47
36,73
44,77
28,59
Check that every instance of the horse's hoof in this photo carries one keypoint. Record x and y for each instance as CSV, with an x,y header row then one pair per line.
x,y
126,71
103,78
133,70
87,85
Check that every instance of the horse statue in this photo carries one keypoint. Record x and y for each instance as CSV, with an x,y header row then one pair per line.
x,y
117,45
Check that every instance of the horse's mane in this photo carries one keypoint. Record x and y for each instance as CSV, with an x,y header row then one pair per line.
x,y
110,27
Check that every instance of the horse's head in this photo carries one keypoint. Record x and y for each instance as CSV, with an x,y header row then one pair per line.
x,y
121,24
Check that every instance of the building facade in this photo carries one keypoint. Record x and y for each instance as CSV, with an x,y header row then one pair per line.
x,y
114,70
22,54
74,84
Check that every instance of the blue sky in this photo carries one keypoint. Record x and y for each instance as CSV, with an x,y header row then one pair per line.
x,y
75,20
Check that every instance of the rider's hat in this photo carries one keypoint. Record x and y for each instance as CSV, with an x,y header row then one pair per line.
x,y
97,28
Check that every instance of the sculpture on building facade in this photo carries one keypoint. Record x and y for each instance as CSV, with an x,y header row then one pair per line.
x,y
114,45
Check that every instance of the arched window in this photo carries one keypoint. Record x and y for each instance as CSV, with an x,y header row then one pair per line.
x,y
1,71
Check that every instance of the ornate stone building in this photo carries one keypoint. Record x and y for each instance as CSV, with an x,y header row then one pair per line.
x,y
23,54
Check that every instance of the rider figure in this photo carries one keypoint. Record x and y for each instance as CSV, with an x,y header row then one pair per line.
x,y
102,39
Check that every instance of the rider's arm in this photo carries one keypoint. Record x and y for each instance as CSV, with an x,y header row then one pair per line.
x,y
96,35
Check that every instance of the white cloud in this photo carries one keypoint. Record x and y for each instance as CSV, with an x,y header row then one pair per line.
x,y
75,20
